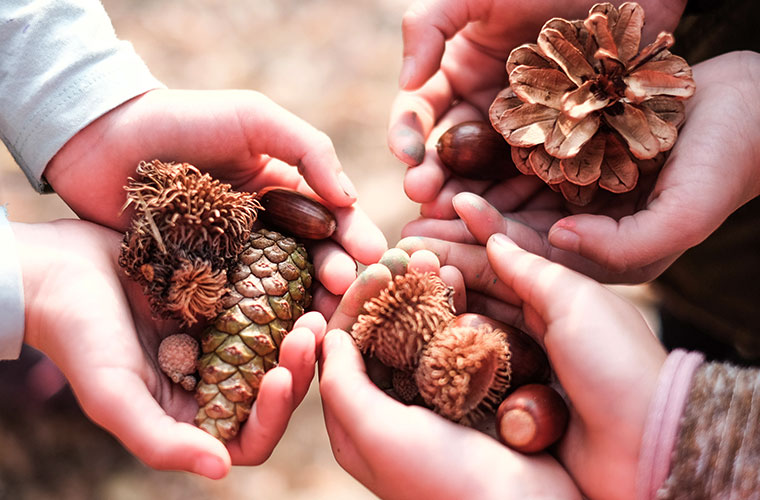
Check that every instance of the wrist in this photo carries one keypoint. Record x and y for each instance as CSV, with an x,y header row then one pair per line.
x,y
11,293
36,260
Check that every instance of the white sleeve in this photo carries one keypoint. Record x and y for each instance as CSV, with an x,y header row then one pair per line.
x,y
11,293
61,67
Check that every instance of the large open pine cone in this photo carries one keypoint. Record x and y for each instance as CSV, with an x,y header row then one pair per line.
x,y
586,109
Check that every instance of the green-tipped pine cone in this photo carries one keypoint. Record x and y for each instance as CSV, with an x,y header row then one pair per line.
x,y
270,290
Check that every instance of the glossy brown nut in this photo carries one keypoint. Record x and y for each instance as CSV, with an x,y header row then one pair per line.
x,y
476,151
528,361
532,418
295,213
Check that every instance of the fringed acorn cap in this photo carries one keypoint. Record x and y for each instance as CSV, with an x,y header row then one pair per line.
x,y
463,372
397,323
186,230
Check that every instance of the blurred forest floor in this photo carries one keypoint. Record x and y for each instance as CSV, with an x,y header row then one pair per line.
x,y
335,64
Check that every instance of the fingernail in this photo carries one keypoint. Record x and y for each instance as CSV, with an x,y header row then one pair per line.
x,y
410,143
347,185
210,466
396,260
407,69
501,240
565,239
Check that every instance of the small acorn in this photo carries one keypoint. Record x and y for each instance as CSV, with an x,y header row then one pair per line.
x,y
295,213
532,418
475,150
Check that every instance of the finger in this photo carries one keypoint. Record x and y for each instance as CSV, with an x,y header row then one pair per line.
x,y
396,260
367,285
298,356
633,242
268,420
426,26
471,260
441,207
335,269
315,322
413,115
538,283
481,218
356,232
324,302
291,139
453,278
423,182
450,230
424,261
145,428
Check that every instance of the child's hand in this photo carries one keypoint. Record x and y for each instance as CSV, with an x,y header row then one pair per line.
x,y
400,451
97,327
239,137
710,173
605,356
455,51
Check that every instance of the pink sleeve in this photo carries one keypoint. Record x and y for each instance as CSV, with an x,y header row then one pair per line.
x,y
661,428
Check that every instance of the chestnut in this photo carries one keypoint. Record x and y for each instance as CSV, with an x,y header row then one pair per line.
x,y
475,150
295,213
528,361
532,418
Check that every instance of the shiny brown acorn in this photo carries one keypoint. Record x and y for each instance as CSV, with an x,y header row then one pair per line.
x,y
295,213
528,361
475,150
532,418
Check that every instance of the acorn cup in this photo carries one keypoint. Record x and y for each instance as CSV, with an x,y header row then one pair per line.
x,y
532,418
193,247
462,366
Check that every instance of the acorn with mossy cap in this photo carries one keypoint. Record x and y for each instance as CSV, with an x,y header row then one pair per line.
x,y
193,247
462,366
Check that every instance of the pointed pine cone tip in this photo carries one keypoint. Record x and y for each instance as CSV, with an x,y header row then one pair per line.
x,y
610,86
464,372
396,324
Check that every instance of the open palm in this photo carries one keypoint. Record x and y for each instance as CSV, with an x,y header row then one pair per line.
x,y
97,327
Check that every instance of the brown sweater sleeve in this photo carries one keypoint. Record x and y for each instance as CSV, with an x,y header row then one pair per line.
x,y
717,453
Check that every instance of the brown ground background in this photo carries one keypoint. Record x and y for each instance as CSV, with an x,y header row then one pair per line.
x,y
334,63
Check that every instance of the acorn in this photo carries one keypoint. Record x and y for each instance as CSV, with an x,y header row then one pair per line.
x,y
532,418
528,362
295,213
475,150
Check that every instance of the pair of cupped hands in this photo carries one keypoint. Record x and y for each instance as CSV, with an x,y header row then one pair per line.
x,y
494,242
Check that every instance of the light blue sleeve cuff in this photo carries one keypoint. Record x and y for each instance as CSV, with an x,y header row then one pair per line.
x,y
11,293
62,67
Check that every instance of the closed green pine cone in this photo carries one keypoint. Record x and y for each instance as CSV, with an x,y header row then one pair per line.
x,y
270,290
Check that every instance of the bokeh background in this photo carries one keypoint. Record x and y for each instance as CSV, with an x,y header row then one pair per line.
x,y
335,63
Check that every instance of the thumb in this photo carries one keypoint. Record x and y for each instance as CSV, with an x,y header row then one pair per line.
x,y
656,235
426,26
541,285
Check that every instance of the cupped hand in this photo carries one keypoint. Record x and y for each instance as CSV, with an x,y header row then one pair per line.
x,y
455,52
605,356
239,137
97,327
400,451
634,237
